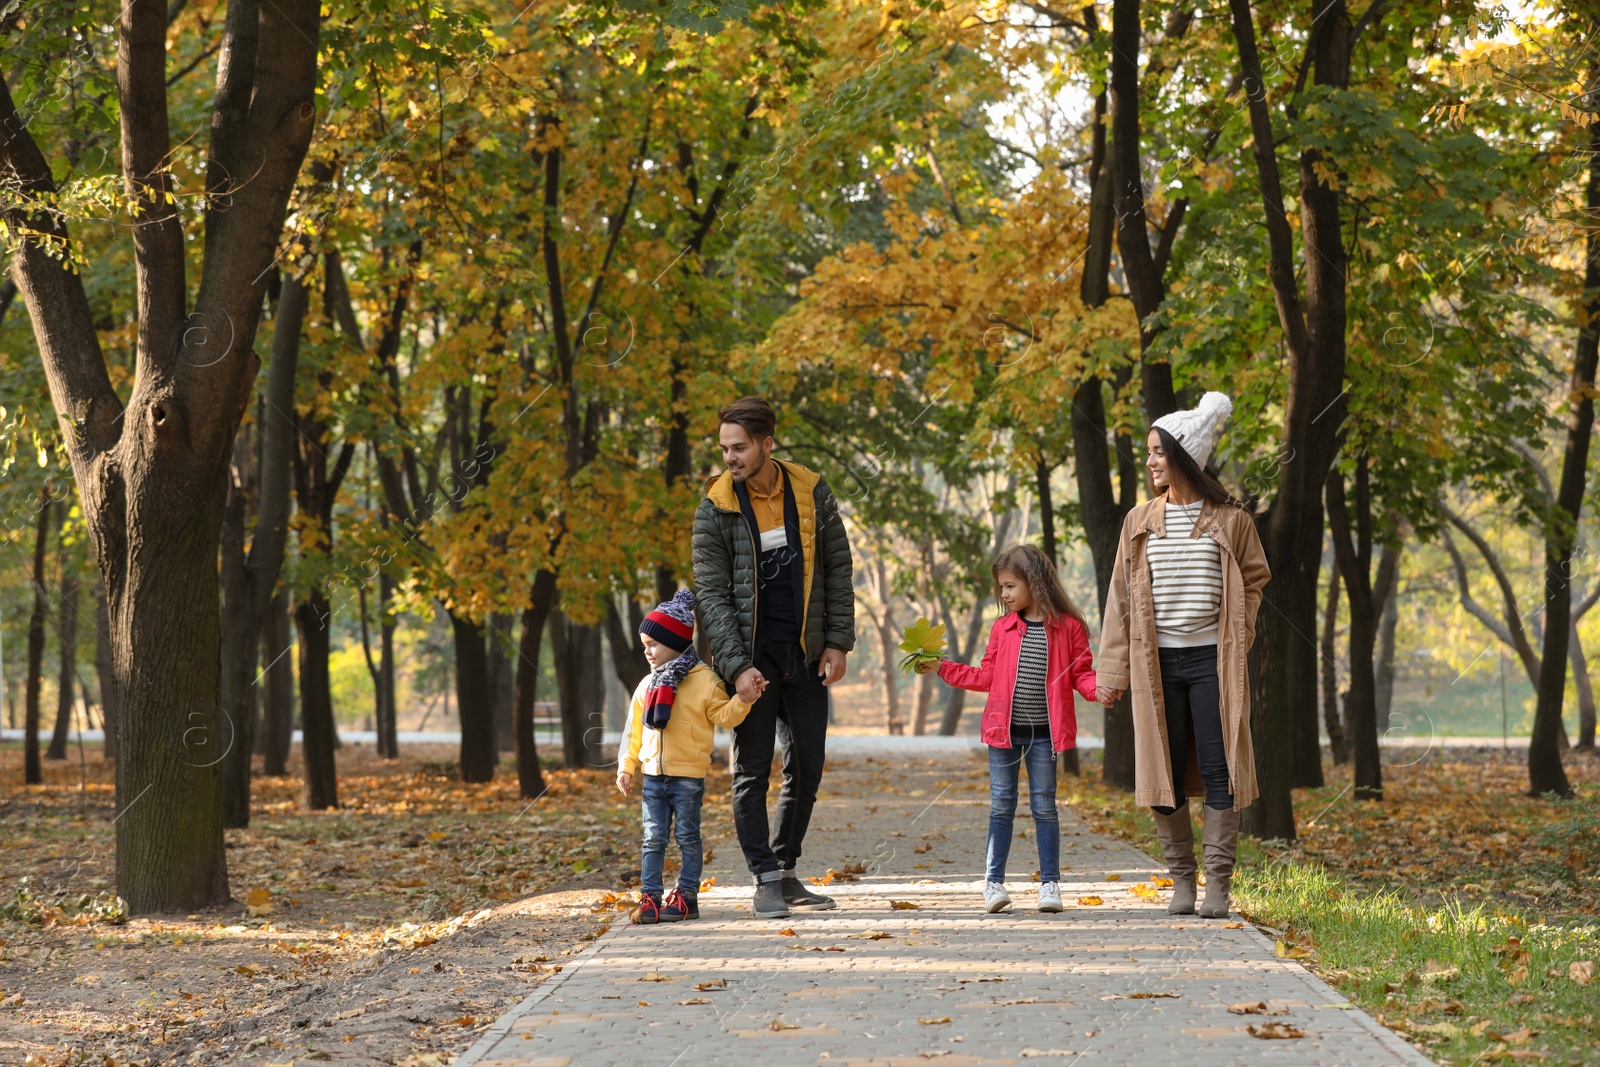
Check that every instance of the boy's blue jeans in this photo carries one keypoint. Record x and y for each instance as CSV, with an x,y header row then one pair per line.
x,y
671,803
1031,747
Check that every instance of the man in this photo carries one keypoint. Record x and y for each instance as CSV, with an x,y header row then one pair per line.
x,y
773,575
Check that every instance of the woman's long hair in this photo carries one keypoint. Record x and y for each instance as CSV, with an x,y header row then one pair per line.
x,y
1193,475
1030,564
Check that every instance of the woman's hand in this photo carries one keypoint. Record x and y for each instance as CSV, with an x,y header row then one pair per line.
x,y
1107,695
928,666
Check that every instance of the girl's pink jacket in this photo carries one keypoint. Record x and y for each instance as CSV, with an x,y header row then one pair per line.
x,y
1071,666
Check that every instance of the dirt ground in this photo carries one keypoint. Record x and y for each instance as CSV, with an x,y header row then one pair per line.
x,y
390,931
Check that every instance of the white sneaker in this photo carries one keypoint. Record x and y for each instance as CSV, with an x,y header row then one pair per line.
x,y
1049,897
995,897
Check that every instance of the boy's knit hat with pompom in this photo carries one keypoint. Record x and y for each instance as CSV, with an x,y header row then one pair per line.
x,y
1197,429
672,622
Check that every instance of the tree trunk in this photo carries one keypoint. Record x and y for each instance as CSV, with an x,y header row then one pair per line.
x,y
239,637
1580,677
388,709
1144,284
312,618
1047,514
32,770
578,666
66,678
627,654
1282,663
950,719
502,652
1545,772
1388,622
109,715
887,641
919,714
277,703
474,700
530,776
151,476
1355,559
1330,670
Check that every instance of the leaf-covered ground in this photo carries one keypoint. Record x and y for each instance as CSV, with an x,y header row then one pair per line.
x,y
343,924
1459,910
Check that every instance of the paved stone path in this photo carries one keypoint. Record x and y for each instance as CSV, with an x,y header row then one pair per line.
x,y
873,983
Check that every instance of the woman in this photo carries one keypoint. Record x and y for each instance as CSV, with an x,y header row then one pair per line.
x,y
1180,617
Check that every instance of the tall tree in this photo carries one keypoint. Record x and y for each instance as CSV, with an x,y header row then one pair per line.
x,y
32,770
152,473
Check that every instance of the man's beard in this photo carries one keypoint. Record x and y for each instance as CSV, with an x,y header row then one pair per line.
x,y
749,472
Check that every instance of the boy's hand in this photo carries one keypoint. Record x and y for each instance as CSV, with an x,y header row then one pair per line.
x,y
624,782
750,684
928,666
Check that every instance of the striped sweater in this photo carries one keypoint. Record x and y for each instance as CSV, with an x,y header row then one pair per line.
x,y
1185,580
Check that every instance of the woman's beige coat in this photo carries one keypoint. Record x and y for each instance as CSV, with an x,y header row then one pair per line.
x,y
1128,658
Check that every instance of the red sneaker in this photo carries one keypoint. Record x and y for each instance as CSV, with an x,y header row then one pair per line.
x,y
649,911
679,905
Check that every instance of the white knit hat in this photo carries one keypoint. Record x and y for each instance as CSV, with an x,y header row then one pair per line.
x,y
1197,430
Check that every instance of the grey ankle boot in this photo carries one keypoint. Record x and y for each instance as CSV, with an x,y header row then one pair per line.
x,y
1176,834
1221,846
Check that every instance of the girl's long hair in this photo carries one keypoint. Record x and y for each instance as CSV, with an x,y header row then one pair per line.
x,y
1030,564
1193,475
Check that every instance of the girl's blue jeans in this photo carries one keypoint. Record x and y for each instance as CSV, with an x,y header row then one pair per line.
x,y
671,803
1030,747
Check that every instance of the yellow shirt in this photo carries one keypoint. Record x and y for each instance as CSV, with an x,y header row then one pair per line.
x,y
768,506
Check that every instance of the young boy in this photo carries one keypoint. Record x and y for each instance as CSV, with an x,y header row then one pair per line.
x,y
669,735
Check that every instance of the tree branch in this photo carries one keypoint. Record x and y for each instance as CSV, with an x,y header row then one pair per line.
x,y
1515,633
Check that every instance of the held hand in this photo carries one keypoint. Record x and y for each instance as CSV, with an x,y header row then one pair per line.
x,y
831,668
1107,695
624,782
928,666
750,685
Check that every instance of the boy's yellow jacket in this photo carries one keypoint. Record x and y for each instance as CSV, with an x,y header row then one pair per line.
x,y
683,749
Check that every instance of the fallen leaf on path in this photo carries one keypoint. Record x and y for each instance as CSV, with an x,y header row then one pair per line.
x,y
1113,877
1148,892
711,883
920,849
695,1000
710,984
1233,926
1285,951
1151,996
904,905
655,976
1164,883
1256,1008
1035,1053
1090,902
787,932
1275,1030
934,1022
258,902
779,1024
870,935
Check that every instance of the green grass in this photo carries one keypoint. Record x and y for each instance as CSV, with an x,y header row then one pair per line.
x,y
1458,980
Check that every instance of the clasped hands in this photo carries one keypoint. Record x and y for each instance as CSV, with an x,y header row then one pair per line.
x,y
1107,695
752,682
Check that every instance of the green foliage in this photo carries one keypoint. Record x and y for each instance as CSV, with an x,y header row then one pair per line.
x,y
77,909
923,643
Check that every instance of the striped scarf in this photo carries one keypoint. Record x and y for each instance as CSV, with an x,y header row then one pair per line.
x,y
663,688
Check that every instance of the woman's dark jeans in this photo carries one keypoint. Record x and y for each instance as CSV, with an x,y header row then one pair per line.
x,y
1193,698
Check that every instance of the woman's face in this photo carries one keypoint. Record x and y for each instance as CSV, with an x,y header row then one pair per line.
x,y
1156,464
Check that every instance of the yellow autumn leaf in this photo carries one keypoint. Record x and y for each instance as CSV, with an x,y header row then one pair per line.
x,y
1090,902
1285,951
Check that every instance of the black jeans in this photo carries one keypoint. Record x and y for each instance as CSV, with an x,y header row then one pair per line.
x,y
1193,698
793,709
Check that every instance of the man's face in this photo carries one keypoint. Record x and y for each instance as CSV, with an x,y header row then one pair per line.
x,y
742,455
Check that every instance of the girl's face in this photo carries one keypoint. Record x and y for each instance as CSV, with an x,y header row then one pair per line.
x,y
1156,464
657,653
1014,592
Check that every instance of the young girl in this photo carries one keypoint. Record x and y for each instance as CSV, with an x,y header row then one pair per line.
x,y
1038,655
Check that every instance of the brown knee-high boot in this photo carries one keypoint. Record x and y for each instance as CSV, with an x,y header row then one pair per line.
x,y
1221,847
1176,834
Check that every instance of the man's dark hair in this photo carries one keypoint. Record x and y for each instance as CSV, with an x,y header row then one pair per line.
x,y
754,414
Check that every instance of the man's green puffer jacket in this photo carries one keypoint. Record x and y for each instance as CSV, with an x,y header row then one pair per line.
x,y
725,573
